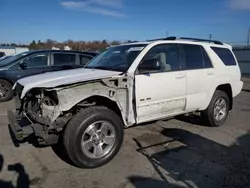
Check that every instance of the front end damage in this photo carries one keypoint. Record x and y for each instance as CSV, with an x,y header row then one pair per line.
x,y
42,114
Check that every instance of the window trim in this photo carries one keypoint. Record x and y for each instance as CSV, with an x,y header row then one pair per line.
x,y
204,50
180,58
67,53
203,60
232,53
32,55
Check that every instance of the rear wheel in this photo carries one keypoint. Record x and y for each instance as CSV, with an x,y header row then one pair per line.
x,y
217,111
93,137
6,92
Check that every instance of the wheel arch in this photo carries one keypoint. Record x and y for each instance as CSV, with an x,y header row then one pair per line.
x,y
101,100
226,87
8,80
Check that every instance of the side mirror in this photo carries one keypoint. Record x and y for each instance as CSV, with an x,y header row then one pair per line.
x,y
23,65
149,66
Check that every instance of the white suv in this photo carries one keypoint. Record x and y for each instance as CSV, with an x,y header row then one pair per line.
x,y
86,109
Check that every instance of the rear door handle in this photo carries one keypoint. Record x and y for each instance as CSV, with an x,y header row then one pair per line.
x,y
210,73
180,76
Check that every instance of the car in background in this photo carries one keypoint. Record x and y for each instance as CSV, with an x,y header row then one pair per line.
x,y
4,57
35,62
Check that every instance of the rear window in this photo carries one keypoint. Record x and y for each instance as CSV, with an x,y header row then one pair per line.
x,y
225,55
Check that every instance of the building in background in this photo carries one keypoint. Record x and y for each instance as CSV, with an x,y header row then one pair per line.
x,y
11,50
242,54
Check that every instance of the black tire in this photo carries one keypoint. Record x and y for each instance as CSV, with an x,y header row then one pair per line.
x,y
207,115
76,128
7,86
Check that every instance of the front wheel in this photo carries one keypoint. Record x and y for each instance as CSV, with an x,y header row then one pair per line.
x,y
217,111
93,137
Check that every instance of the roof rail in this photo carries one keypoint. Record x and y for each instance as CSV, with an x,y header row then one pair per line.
x,y
188,38
156,39
194,39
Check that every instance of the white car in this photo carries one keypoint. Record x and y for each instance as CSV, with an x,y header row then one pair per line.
x,y
88,108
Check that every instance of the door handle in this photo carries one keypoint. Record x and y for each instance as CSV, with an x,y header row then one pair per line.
x,y
210,73
180,76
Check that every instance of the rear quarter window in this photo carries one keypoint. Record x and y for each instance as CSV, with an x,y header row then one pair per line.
x,y
225,55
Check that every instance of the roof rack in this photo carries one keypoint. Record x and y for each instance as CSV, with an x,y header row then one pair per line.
x,y
188,38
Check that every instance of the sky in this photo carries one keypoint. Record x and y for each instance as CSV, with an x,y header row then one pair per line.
x,y
25,20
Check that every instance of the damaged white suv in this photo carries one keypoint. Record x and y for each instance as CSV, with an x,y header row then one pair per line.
x,y
87,109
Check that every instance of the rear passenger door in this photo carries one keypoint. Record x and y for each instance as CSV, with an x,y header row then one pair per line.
x,y
64,61
200,75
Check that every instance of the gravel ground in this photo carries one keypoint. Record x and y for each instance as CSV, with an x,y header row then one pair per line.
x,y
176,153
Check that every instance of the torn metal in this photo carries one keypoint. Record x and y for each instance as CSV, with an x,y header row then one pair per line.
x,y
117,89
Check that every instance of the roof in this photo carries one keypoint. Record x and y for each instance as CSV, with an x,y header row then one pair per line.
x,y
184,40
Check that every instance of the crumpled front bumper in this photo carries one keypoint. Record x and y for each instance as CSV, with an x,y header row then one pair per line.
x,y
19,132
23,131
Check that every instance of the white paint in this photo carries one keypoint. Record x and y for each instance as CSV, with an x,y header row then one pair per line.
x,y
11,50
157,95
54,79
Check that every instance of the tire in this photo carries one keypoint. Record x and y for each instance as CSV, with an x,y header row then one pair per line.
x,y
81,125
6,92
208,116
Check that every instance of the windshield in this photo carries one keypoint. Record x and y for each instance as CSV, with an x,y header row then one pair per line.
x,y
8,60
118,58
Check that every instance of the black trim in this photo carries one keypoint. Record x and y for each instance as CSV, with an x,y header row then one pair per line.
x,y
189,38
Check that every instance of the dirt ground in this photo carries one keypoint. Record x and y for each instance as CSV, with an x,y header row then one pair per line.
x,y
176,153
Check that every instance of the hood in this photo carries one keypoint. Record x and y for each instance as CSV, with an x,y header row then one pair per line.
x,y
54,79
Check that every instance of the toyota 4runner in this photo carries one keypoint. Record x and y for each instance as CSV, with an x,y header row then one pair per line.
x,y
87,109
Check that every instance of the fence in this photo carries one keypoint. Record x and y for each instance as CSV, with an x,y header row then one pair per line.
x,y
243,56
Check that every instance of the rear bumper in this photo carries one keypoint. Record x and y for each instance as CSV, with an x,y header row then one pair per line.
x,y
236,87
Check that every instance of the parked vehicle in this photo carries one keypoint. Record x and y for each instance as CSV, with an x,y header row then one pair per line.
x,y
4,57
35,62
126,85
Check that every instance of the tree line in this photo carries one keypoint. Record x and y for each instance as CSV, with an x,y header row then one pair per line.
x,y
95,45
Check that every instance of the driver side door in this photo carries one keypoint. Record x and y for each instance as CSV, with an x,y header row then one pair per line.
x,y
34,64
160,84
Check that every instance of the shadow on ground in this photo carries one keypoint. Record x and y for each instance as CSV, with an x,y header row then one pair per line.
x,y
195,161
23,177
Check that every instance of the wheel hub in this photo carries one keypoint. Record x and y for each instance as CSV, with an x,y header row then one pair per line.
x,y
220,109
98,139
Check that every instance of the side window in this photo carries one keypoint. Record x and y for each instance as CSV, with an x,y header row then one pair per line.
x,y
37,60
84,59
225,55
193,56
64,59
161,58
206,59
